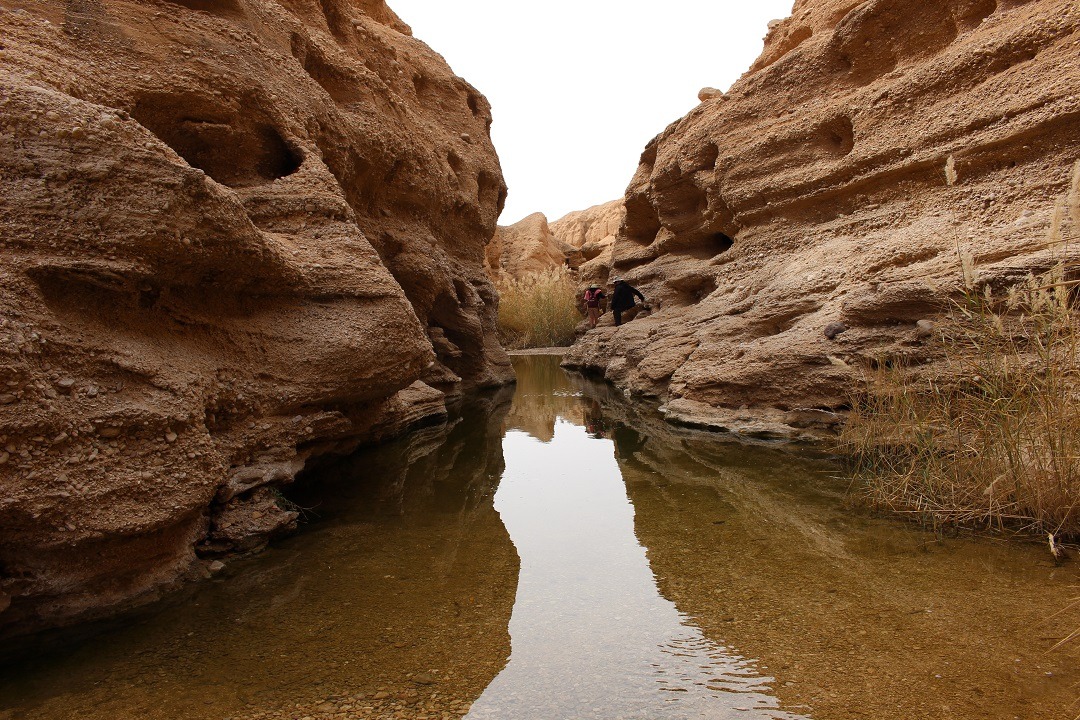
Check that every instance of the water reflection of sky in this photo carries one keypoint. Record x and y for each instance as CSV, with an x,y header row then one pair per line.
x,y
591,634
407,569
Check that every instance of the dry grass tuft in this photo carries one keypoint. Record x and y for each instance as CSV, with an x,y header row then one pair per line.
x,y
1074,197
996,441
993,441
538,310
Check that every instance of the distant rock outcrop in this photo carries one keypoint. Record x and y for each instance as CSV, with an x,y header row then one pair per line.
x,y
234,234
528,246
581,241
591,236
831,188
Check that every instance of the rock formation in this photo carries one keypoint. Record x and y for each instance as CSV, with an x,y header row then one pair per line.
x,y
591,236
404,534
235,234
581,240
802,224
528,246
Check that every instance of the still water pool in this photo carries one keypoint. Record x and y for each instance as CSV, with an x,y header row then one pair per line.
x,y
563,553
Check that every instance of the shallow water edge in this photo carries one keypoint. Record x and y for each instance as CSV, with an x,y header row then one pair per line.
x,y
572,554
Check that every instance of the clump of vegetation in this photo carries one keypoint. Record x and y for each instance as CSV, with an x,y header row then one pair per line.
x,y
994,440
538,310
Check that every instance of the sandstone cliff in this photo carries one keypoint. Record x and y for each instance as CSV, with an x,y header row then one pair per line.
x,y
528,246
591,236
831,188
235,234
582,240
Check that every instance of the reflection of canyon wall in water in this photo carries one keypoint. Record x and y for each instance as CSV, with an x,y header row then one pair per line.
x,y
463,456
544,393
233,233
848,613
406,570
440,484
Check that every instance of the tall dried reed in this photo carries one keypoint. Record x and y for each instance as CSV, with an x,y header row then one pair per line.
x,y
538,310
993,440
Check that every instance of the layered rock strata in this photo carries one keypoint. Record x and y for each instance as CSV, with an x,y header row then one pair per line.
x,y
235,234
801,225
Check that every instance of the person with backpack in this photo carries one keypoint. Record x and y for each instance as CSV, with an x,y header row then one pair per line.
x,y
622,299
592,298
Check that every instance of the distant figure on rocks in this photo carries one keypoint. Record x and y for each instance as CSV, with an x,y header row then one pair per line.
x,y
622,300
593,296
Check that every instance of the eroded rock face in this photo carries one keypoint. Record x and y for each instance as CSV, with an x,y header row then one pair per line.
x,y
235,234
526,247
582,241
831,187
591,235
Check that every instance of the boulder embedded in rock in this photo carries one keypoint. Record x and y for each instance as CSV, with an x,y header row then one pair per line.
x,y
709,93
835,328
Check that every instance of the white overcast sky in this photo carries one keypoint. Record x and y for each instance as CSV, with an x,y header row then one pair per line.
x,y
578,87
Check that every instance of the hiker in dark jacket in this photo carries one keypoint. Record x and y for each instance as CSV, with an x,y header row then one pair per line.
x,y
622,299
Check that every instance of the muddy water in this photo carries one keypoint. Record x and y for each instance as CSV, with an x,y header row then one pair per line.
x,y
570,555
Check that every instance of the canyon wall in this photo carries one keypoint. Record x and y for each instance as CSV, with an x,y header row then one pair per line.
x,y
799,227
526,247
235,234
581,241
590,234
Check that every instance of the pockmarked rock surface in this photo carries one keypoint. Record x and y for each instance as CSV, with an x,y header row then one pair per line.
x,y
235,234
800,226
